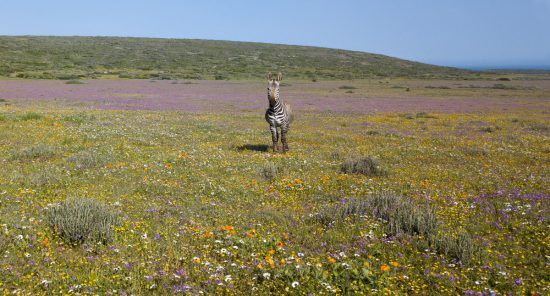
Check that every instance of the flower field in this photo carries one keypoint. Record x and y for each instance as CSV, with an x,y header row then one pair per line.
x,y
205,207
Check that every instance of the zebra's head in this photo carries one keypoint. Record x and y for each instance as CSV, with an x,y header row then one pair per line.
x,y
273,87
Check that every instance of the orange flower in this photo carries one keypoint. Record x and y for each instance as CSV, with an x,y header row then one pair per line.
x,y
279,244
182,155
394,264
45,242
282,261
208,234
271,252
169,165
331,260
384,267
229,229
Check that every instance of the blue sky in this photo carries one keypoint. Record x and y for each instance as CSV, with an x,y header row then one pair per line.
x,y
467,33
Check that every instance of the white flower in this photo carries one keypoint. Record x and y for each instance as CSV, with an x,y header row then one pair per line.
x,y
228,278
27,255
223,251
144,236
300,254
267,275
19,237
45,282
295,284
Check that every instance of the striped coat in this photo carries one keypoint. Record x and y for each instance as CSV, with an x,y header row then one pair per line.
x,y
278,115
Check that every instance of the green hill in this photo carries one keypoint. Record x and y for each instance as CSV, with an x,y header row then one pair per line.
x,y
92,57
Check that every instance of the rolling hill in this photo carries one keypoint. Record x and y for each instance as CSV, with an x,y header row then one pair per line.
x,y
46,57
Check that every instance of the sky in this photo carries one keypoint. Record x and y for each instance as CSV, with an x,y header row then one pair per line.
x,y
462,33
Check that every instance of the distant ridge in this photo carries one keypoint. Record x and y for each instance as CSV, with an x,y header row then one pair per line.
x,y
48,57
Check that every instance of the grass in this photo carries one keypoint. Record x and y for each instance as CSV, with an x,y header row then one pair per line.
x,y
202,205
73,58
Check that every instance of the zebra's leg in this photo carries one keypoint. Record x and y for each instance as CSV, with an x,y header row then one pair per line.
x,y
283,140
274,137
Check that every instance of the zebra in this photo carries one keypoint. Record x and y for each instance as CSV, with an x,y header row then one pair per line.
x,y
278,114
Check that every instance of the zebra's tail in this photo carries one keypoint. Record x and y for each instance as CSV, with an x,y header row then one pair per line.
x,y
289,112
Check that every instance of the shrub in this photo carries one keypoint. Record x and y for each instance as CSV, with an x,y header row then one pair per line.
x,y
31,116
369,166
347,87
461,247
74,81
424,115
489,129
41,151
269,171
474,151
539,127
82,220
86,159
41,176
403,215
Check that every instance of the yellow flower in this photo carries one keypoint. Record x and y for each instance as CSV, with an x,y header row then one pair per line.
x,y
331,260
282,261
366,264
251,233
271,252
384,267
269,261
279,244
394,264
169,165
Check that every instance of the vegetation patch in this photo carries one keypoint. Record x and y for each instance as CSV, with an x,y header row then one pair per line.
x,y
39,151
368,165
82,220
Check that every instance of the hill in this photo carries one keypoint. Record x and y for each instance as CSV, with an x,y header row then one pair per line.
x,y
95,57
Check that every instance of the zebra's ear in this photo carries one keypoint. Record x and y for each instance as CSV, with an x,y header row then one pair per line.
x,y
269,76
279,76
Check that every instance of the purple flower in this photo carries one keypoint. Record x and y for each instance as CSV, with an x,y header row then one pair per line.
x,y
518,282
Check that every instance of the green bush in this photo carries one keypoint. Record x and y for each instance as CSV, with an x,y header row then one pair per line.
x,y
82,220
369,166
